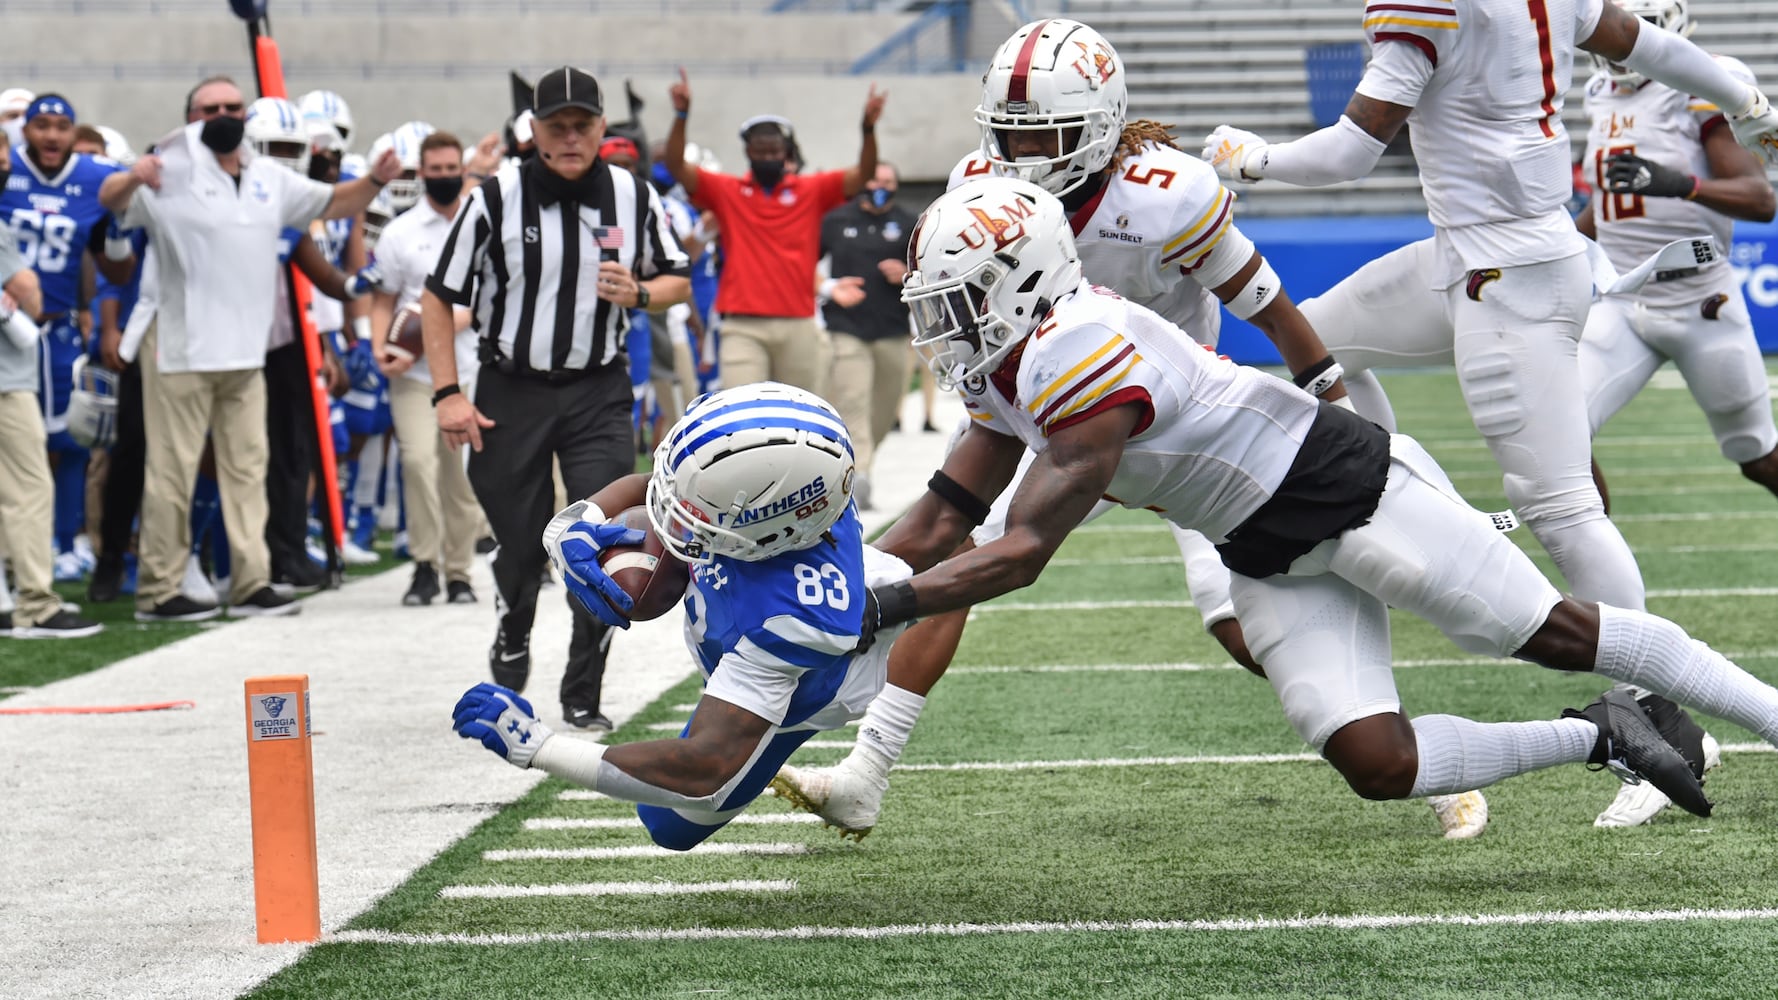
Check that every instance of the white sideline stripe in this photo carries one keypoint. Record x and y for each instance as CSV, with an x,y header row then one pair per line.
x,y
673,727
1157,527
829,744
982,609
1323,922
640,851
1531,549
4,691
1252,758
685,708
628,822
1718,592
1188,667
582,795
615,889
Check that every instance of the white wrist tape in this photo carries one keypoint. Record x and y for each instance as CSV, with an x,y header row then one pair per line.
x,y
579,510
20,329
1257,294
361,329
1340,152
825,292
1325,381
1670,59
119,248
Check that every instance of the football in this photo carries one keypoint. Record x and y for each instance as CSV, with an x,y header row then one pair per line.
x,y
651,575
405,340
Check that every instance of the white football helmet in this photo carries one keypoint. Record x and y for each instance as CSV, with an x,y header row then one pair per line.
x,y
376,216
276,130
1671,15
92,406
116,146
985,264
749,473
403,191
1062,78
331,106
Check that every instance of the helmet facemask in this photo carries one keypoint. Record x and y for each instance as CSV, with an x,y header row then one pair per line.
x,y
1084,144
957,331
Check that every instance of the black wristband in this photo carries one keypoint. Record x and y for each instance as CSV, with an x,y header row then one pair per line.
x,y
896,604
1308,375
375,182
442,394
952,492
642,296
868,128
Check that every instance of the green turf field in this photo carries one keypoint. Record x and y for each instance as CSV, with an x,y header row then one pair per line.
x,y
1104,844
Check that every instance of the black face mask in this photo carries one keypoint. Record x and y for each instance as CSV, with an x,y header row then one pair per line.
x,y
444,190
223,134
553,187
323,168
767,172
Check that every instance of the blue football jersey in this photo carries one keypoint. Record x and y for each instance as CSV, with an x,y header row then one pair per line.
x,y
797,613
55,218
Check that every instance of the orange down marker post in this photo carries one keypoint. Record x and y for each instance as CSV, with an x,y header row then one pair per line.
x,y
281,784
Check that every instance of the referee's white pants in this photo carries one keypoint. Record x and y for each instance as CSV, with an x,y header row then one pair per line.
x,y
443,518
1514,335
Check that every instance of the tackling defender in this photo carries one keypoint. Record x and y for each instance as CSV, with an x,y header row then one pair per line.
x,y
772,615
1323,519
1155,224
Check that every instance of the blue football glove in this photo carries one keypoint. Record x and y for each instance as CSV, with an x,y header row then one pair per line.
x,y
502,720
574,539
368,280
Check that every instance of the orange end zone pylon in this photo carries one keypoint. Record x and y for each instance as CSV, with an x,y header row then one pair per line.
x,y
281,786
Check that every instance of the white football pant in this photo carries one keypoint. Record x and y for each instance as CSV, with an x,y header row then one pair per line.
x,y
1515,344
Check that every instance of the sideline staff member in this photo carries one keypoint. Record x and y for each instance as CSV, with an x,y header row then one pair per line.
x,y
560,246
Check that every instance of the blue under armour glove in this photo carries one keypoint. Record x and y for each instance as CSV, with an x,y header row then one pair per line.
x,y
502,720
368,280
574,538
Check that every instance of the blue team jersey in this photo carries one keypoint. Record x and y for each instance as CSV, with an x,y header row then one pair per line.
x,y
55,218
798,613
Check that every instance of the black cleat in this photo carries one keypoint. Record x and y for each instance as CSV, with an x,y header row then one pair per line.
x,y
459,592
423,588
1678,728
1634,750
509,662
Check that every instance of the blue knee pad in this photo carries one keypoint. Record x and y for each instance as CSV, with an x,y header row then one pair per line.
x,y
676,833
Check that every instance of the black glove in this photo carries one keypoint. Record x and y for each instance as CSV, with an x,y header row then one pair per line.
x,y
873,618
1627,173
885,605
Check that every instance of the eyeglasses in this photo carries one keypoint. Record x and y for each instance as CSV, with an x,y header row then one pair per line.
x,y
232,108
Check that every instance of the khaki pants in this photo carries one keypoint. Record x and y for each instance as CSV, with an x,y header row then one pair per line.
x,y
758,348
443,519
177,410
869,379
27,505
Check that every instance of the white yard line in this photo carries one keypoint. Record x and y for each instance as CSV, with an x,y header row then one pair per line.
x,y
631,822
997,607
1237,925
673,727
615,889
639,851
1186,667
582,795
1158,527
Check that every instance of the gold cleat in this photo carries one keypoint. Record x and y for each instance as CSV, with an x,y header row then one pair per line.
x,y
813,790
1462,816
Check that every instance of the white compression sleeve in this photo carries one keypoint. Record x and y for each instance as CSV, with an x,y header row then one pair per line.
x,y
1670,59
1340,152
22,330
583,762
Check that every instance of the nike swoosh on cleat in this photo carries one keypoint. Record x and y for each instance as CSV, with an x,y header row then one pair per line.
x,y
509,657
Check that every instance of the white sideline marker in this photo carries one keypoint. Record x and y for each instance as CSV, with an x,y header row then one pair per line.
x,y
629,822
640,851
615,889
1239,925
583,795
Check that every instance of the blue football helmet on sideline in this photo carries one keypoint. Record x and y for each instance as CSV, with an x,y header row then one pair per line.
x,y
750,473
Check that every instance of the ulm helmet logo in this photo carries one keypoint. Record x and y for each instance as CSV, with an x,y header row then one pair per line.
x,y
1004,232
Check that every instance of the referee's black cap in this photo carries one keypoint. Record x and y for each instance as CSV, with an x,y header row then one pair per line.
x,y
567,88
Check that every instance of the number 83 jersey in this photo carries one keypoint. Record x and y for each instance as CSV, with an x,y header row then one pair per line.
x,y
775,637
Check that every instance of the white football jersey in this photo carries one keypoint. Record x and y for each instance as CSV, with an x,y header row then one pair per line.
x,y
1657,123
1153,234
1486,80
1216,439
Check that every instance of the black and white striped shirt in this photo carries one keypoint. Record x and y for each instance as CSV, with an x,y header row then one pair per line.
x,y
529,270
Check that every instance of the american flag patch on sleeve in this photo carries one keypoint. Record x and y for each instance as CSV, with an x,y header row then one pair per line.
x,y
609,237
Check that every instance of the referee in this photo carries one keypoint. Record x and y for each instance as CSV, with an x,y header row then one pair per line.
x,y
550,254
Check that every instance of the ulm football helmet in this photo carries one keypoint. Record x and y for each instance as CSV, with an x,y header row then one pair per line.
x,y
750,473
985,264
1670,15
276,130
1055,76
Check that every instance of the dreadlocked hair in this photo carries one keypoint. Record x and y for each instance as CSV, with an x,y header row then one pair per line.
x,y
1140,133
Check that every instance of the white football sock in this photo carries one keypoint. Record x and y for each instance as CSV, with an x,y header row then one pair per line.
x,y
1462,755
1638,648
888,722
